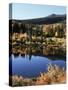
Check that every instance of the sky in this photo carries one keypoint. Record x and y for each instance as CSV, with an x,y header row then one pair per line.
x,y
29,11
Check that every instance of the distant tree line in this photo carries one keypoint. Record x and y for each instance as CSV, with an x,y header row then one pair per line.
x,y
36,29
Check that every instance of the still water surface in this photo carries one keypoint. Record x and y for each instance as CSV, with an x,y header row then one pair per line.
x,y
26,67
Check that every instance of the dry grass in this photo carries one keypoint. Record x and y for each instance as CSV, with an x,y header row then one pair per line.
x,y
54,75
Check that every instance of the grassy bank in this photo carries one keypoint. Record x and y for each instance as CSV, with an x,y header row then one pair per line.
x,y
54,75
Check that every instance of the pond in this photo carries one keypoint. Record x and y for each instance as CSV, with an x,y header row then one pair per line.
x,y
32,66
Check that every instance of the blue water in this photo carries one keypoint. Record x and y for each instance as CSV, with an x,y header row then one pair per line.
x,y
32,67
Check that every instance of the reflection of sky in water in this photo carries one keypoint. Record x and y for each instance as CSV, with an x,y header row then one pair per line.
x,y
28,68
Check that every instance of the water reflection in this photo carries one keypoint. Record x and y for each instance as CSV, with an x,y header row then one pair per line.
x,y
29,60
22,66
52,52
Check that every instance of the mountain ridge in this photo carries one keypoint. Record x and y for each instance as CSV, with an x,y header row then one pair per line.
x,y
53,18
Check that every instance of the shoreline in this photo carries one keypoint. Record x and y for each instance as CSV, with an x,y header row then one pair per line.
x,y
54,75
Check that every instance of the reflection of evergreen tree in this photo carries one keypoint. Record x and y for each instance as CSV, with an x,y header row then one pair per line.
x,y
30,53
